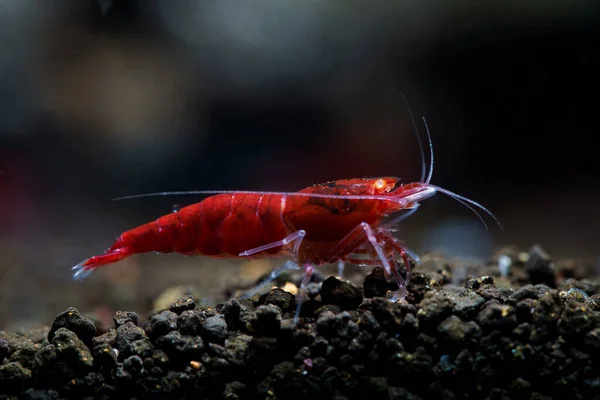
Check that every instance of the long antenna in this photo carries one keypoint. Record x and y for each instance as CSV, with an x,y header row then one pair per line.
x,y
289,194
416,130
430,150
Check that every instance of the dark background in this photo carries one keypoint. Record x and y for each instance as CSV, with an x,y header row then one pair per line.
x,y
100,99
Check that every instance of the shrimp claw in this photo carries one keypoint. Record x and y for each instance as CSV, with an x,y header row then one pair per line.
x,y
308,271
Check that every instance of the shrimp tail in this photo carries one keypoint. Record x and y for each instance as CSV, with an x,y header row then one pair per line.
x,y
87,266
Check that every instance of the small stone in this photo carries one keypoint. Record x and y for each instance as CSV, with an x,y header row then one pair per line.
x,y
524,310
25,354
542,289
109,337
497,316
181,348
267,321
593,302
4,349
141,347
576,320
446,363
121,374
456,330
387,314
435,307
105,356
376,284
282,299
309,307
422,283
183,304
14,377
214,329
162,323
539,267
526,292
409,328
246,313
189,322
70,319
128,333
41,394
122,317
466,302
592,340
44,359
368,322
334,291
574,294
160,360
231,311
238,345
234,391
327,307
72,350
133,365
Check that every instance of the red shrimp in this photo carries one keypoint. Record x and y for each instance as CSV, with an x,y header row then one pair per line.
x,y
338,221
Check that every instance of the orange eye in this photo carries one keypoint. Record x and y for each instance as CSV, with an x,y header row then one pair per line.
x,y
380,184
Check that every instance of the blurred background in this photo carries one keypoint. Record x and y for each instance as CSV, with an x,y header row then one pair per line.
x,y
104,98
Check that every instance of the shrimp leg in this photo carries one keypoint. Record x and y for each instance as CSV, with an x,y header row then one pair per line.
x,y
378,240
293,237
308,271
340,268
355,239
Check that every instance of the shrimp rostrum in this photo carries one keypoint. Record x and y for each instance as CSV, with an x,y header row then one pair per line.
x,y
339,221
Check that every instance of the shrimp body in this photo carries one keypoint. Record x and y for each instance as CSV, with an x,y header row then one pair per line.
x,y
228,225
338,221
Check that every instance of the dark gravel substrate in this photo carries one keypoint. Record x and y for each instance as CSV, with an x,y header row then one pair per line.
x,y
464,332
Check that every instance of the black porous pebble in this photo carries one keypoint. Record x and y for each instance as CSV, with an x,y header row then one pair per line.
x,y
231,311
376,284
122,317
282,299
162,323
109,337
327,307
342,294
183,304
128,333
214,329
133,365
33,394
181,348
190,322
140,347
104,355
72,350
14,378
267,321
83,327
539,267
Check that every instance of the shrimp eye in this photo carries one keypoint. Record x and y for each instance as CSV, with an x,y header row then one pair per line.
x,y
380,184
